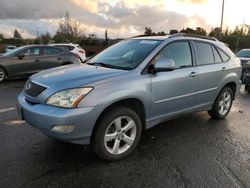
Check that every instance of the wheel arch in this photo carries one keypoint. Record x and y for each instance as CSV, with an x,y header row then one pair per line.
x,y
132,103
232,85
4,70
67,63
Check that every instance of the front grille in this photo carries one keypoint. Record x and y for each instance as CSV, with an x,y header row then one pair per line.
x,y
32,89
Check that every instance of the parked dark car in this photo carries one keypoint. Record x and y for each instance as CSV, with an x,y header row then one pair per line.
x,y
27,60
244,56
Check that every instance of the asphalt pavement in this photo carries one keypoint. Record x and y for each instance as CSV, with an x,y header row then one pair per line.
x,y
192,151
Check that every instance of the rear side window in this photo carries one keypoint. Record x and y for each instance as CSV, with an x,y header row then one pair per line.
x,y
62,47
224,56
52,51
70,48
179,52
204,53
217,58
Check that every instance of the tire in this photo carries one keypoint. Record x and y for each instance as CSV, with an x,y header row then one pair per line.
x,y
3,75
247,88
109,128
222,104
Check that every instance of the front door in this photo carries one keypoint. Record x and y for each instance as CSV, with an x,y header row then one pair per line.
x,y
23,63
175,91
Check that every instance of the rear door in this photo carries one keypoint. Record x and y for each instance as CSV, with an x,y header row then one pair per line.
x,y
212,71
51,57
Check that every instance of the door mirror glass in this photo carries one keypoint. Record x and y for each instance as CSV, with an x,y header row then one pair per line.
x,y
164,65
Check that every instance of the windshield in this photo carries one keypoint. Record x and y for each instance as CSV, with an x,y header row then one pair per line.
x,y
243,53
125,55
12,52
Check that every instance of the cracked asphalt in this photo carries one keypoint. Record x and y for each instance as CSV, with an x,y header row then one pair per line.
x,y
192,151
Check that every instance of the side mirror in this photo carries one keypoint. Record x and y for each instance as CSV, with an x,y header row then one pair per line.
x,y
164,65
20,56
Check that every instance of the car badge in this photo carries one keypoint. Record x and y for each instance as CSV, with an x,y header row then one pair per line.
x,y
27,87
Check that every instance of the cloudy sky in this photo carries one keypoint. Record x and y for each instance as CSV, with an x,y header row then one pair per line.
x,y
122,18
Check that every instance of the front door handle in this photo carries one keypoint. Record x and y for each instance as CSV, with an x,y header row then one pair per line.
x,y
193,74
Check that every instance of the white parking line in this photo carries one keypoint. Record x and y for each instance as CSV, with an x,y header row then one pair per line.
x,y
14,122
2,110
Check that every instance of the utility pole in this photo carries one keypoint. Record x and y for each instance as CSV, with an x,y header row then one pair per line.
x,y
222,15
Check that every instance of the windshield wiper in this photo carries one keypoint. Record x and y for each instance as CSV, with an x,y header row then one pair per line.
x,y
107,65
98,64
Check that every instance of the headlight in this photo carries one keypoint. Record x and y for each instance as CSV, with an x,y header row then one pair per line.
x,y
68,98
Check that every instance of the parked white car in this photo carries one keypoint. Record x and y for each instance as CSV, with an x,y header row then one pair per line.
x,y
74,48
9,48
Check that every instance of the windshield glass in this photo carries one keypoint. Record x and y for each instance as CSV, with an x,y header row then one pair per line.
x,y
12,52
125,55
243,53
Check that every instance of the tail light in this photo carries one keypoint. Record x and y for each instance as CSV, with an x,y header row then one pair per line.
x,y
81,51
77,56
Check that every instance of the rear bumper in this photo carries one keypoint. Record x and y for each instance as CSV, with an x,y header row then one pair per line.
x,y
238,86
44,117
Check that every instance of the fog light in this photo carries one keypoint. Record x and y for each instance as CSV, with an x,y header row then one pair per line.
x,y
63,128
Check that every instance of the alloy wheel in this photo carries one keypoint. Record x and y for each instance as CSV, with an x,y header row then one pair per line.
x,y
225,103
120,135
2,75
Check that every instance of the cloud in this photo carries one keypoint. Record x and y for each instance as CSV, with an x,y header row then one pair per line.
x,y
122,18
90,5
194,1
28,28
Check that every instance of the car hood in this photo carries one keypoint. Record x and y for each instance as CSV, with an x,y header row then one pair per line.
x,y
74,75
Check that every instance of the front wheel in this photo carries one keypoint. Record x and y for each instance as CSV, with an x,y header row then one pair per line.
x,y
118,133
2,75
222,104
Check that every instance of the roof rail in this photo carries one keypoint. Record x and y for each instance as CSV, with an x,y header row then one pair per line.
x,y
193,35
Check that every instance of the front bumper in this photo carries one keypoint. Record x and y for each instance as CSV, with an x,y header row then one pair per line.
x,y
44,117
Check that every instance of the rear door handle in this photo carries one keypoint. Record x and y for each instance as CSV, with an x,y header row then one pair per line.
x,y
193,74
223,68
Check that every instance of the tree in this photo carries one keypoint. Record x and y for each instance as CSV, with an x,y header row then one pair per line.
x,y
226,32
197,31
148,31
17,35
1,36
238,31
46,38
173,31
200,31
162,33
69,30
216,32
187,30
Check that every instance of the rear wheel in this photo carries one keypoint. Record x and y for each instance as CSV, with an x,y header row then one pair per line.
x,y
247,88
2,74
222,104
118,133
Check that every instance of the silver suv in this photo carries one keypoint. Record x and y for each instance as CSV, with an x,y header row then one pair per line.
x,y
132,86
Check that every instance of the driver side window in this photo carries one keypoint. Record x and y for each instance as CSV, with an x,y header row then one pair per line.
x,y
30,52
179,52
